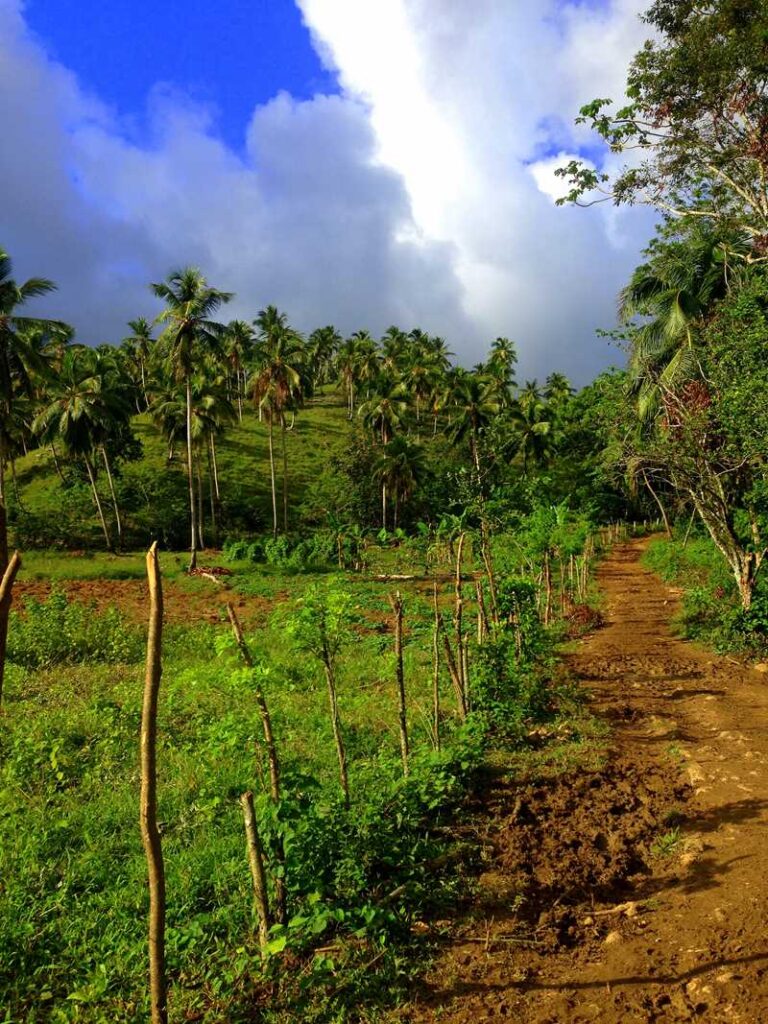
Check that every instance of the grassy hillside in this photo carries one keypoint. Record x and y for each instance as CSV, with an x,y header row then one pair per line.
x,y
152,490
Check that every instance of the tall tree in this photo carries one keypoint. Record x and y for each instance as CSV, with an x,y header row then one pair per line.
x,y
19,355
190,331
277,387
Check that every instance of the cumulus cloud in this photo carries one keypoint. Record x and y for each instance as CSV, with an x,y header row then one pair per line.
x,y
422,194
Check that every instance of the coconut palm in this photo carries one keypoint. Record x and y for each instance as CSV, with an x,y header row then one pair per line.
x,y
139,344
278,387
84,405
190,331
21,341
238,351
399,467
671,292
474,404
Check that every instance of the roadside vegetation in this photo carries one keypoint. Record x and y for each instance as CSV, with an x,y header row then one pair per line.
x,y
389,549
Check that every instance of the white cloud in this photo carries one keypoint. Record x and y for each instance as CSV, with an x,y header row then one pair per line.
x,y
421,195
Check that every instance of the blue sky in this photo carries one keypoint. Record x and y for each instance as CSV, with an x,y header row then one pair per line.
x,y
405,178
229,54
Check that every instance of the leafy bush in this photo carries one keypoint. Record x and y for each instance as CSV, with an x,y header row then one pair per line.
x,y
56,632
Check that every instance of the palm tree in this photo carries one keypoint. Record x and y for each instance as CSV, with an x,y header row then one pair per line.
x,y
238,350
533,420
671,292
139,343
323,345
83,406
189,332
21,338
500,368
278,387
474,405
399,468
383,413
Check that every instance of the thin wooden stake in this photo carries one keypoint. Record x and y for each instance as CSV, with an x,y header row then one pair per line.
x,y
436,670
150,832
256,862
261,701
483,628
6,594
458,614
397,608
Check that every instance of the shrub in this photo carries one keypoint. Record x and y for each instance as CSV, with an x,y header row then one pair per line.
x,y
57,631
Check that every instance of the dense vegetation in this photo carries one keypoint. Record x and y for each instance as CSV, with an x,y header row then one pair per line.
x,y
408,541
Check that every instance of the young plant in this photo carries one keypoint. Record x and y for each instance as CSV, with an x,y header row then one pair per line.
x,y
320,626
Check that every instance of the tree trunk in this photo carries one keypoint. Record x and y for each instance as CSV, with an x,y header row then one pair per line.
x,y
547,589
212,502
402,718
285,473
457,620
272,475
150,832
10,571
436,670
258,875
97,499
118,521
383,506
191,481
272,756
667,527
199,476
336,726
56,463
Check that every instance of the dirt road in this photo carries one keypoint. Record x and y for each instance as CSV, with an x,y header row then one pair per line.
x,y
638,891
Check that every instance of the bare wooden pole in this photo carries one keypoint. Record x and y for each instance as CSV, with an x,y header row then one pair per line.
x,y
454,674
6,588
256,862
338,739
436,670
397,607
483,628
150,832
272,756
261,701
458,614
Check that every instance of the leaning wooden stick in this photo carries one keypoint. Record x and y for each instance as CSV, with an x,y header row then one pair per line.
x,y
436,669
150,832
6,587
272,758
256,862
397,607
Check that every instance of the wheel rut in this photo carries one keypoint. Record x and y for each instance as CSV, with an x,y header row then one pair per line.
x,y
636,891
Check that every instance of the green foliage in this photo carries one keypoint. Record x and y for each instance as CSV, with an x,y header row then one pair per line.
x,y
57,632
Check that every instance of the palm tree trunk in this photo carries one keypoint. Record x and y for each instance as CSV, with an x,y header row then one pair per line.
x,y
56,463
272,477
118,521
2,469
96,498
215,466
285,474
383,506
198,474
191,481
212,498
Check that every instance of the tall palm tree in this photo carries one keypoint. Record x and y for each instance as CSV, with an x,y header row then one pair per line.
x,y
83,406
20,356
139,343
399,467
323,344
189,332
238,351
474,405
278,387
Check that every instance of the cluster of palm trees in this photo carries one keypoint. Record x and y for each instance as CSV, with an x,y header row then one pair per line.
x,y
193,374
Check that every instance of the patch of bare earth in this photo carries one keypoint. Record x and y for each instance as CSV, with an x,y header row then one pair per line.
x,y
635,892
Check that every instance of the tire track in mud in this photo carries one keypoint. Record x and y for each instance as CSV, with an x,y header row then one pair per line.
x,y
584,916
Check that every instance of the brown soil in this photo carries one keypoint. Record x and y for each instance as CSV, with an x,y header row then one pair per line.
x,y
582,915
193,602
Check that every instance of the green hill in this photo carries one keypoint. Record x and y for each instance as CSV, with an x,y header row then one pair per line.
x,y
46,510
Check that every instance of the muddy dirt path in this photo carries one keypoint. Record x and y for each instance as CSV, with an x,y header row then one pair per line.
x,y
673,828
